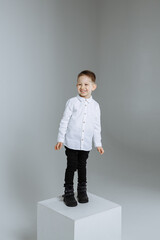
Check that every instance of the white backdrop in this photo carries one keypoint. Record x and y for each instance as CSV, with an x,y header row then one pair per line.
x,y
44,45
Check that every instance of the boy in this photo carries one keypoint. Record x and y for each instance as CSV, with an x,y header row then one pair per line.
x,y
79,125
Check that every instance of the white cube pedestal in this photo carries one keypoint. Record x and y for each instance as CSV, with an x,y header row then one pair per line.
x,y
99,219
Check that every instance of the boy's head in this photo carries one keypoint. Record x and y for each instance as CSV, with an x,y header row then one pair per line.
x,y
86,83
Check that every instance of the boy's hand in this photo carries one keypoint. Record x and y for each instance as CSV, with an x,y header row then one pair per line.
x,y
58,146
100,150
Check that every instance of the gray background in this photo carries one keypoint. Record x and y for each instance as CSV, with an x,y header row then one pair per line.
x,y
43,46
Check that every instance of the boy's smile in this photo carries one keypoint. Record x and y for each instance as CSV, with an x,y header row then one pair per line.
x,y
85,86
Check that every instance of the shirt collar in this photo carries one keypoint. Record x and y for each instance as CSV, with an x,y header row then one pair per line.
x,y
82,99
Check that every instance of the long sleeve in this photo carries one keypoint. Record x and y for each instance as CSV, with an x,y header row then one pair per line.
x,y
97,129
64,122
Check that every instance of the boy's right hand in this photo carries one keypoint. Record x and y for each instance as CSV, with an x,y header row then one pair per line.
x,y
58,146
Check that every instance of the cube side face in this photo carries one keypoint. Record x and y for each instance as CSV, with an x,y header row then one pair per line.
x,y
52,225
103,226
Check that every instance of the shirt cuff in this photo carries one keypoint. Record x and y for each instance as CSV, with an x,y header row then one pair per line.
x,y
98,144
60,139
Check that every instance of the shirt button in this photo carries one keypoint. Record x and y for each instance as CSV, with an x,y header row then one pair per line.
x,y
83,121
82,140
84,113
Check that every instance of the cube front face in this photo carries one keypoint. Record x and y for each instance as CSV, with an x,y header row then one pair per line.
x,y
53,226
102,226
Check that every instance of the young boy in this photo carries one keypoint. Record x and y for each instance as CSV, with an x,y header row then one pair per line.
x,y
79,125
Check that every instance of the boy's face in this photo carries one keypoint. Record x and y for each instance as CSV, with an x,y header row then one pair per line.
x,y
85,86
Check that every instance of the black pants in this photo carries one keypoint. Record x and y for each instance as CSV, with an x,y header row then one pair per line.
x,y
76,160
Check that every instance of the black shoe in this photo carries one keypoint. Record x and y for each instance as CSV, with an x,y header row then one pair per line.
x,y
82,193
68,197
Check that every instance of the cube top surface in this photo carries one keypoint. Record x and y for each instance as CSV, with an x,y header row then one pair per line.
x,y
82,210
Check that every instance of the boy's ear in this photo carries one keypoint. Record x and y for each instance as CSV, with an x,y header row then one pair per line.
x,y
94,87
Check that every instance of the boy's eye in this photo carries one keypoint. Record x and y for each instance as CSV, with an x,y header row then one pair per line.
x,y
79,84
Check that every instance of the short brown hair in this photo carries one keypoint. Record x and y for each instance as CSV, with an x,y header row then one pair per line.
x,y
89,74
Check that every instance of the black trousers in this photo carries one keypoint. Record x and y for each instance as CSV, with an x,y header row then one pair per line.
x,y
76,160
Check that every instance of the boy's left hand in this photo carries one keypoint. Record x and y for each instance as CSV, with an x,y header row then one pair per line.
x,y
100,150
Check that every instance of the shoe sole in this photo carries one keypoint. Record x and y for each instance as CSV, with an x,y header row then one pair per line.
x,y
81,201
73,205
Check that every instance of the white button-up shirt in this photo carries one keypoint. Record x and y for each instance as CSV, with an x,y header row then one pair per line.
x,y
80,124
